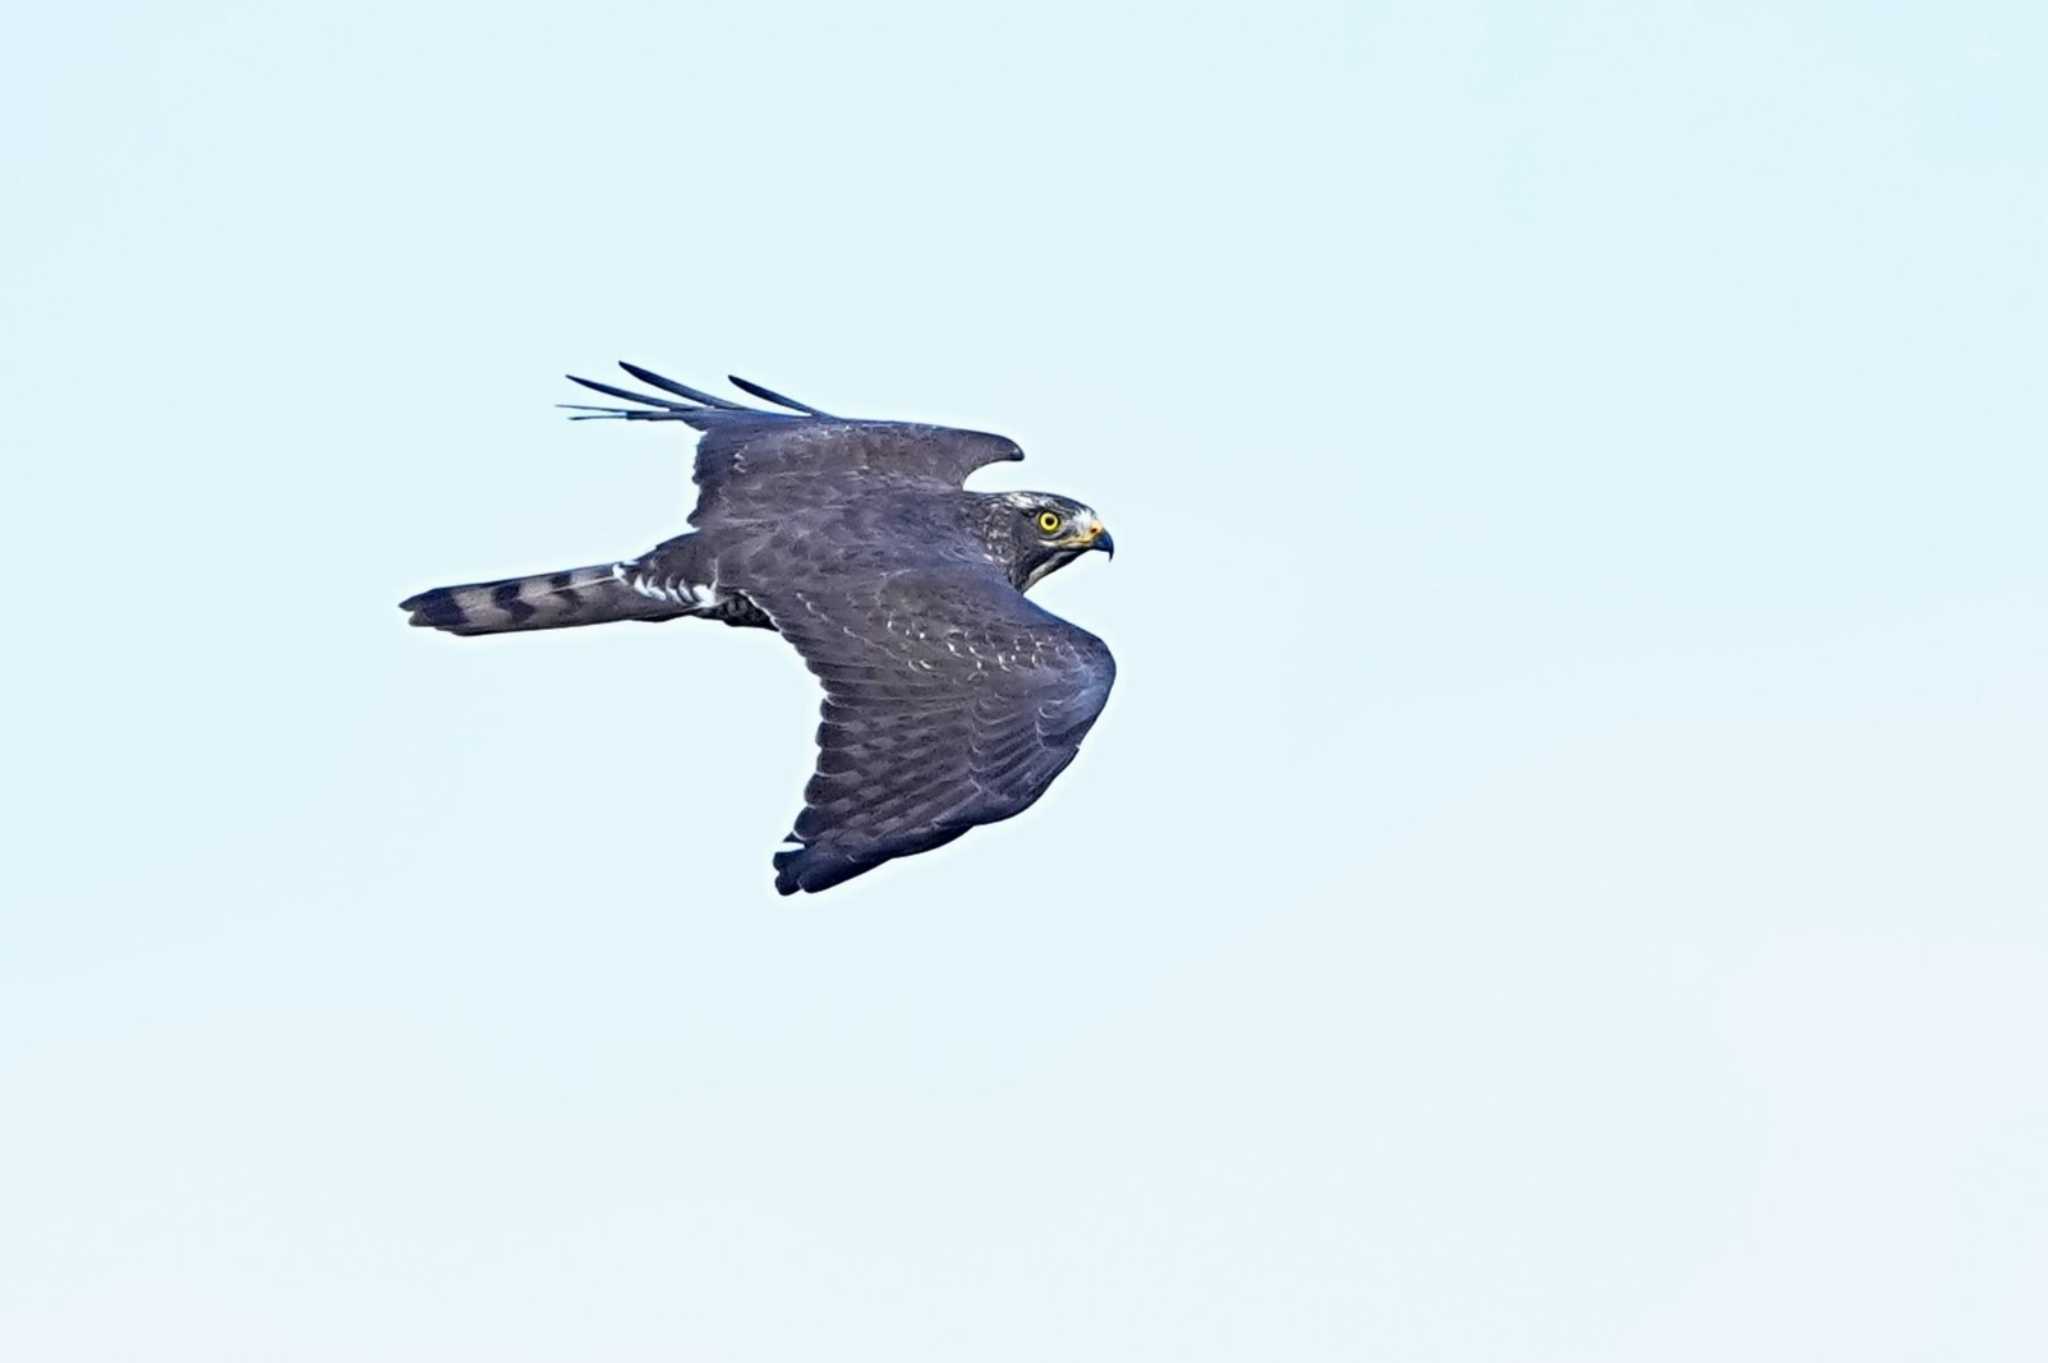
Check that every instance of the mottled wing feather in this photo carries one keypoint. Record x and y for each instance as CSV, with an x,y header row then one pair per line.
x,y
950,701
754,465
763,467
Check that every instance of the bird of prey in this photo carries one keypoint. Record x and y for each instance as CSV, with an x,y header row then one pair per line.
x,y
950,699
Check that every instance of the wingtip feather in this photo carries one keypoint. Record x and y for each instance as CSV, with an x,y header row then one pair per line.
x,y
681,390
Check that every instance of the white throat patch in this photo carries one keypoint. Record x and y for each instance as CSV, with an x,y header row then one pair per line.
x,y
1059,560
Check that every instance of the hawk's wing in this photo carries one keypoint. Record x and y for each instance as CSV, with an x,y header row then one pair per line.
x,y
756,465
950,701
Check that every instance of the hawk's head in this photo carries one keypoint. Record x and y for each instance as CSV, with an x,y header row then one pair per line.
x,y
1036,533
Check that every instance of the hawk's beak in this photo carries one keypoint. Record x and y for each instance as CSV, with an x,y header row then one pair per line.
x,y
1094,537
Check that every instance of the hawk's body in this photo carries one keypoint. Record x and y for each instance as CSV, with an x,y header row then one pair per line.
x,y
950,699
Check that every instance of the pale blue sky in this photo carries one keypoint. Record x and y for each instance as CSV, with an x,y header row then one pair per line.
x,y
1561,875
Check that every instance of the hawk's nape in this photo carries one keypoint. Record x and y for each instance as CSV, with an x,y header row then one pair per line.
x,y
950,699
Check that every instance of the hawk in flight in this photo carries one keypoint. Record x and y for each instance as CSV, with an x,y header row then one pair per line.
x,y
950,699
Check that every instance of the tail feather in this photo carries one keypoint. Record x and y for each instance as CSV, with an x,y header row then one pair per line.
x,y
578,596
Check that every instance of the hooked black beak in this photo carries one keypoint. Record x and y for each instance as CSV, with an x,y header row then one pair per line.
x,y
1105,544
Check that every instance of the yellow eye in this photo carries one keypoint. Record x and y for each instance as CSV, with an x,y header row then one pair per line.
x,y
1049,522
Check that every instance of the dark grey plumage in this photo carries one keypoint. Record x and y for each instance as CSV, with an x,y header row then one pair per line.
x,y
950,699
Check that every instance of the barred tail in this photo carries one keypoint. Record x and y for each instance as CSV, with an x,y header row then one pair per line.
x,y
579,596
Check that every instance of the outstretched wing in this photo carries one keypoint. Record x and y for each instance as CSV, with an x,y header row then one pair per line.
x,y
950,701
755,464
